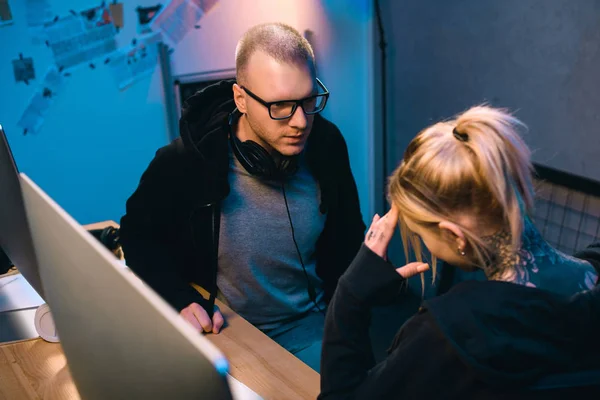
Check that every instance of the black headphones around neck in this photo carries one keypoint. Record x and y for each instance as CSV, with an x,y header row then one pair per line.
x,y
256,160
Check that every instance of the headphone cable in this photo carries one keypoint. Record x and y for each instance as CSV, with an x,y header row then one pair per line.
x,y
311,290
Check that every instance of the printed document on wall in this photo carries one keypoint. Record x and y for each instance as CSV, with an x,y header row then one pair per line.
x,y
33,117
176,19
135,61
81,38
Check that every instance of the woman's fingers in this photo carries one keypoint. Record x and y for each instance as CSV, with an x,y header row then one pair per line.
x,y
372,229
412,269
380,233
393,214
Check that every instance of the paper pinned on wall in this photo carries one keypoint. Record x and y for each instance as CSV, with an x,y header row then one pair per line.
x,y
81,38
53,81
116,12
136,61
176,19
6,17
33,117
23,69
31,121
38,12
145,17
206,5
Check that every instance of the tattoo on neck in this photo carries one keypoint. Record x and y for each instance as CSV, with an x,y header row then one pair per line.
x,y
502,258
535,263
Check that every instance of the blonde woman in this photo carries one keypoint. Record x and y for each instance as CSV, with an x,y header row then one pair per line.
x,y
464,190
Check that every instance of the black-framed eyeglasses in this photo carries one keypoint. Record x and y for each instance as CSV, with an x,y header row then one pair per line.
x,y
284,109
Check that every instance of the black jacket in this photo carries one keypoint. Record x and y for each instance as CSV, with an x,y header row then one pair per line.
x,y
168,232
480,340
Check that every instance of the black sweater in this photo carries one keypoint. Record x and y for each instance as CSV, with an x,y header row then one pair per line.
x,y
480,340
168,233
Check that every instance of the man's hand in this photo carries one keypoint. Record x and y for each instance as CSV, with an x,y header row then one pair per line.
x,y
198,317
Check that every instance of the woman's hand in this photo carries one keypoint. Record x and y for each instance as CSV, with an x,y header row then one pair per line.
x,y
381,231
378,239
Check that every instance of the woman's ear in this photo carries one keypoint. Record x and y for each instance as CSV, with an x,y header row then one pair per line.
x,y
455,233
239,98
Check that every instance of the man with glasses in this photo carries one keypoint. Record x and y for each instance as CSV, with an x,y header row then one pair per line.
x,y
255,202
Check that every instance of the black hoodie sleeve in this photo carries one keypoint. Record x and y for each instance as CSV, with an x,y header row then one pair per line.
x,y
145,231
591,254
348,370
344,229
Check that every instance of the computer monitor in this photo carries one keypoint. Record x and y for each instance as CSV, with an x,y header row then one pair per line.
x,y
121,340
15,239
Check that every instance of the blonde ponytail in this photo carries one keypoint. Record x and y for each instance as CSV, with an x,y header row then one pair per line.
x,y
504,162
477,165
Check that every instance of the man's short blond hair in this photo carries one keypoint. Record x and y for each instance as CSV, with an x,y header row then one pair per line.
x,y
278,40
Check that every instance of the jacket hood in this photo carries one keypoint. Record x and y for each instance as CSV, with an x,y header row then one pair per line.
x,y
203,118
513,334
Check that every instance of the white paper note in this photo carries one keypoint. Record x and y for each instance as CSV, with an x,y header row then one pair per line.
x,y
81,38
33,116
135,62
176,19
38,12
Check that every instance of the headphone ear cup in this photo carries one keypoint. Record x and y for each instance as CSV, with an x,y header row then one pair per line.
x,y
288,166
260,158
256,160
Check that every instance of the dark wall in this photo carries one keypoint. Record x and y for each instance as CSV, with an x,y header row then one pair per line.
x,y
540,58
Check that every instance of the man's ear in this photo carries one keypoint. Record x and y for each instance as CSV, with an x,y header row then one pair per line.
x,y
455,233
240,98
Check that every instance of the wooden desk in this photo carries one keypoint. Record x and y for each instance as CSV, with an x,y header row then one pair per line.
x,y
35,369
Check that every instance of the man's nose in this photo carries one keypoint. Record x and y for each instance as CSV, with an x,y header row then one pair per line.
x,y
298,119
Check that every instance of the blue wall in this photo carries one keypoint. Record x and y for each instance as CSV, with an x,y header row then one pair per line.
x,y
540,58
96,140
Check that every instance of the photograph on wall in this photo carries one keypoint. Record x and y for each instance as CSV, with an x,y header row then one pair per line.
x,y
23,69
145,17
116,13
6,17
